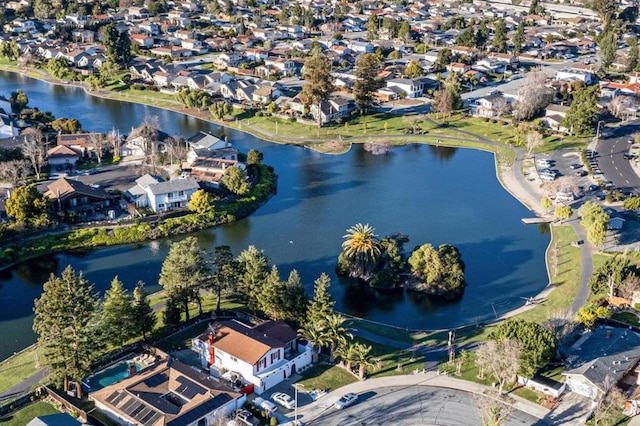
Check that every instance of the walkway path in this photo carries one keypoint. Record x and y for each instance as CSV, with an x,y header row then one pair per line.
x,y
24,386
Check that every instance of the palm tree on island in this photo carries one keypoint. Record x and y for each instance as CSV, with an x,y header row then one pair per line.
x,y
361,252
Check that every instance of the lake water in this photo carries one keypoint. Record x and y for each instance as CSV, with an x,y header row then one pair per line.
x,y
435,195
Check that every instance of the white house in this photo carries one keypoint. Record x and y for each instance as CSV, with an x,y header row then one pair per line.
x,y
574,75
162,196
263,354
413,87
7,129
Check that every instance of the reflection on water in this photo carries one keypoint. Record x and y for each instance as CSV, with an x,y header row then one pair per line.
x,y
37,271
443,153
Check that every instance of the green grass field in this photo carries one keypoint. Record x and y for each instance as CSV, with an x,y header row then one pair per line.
x,y
17,369
28,413
328,377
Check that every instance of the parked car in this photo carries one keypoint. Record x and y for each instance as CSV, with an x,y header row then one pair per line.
x,y
268,406
565,196
593,187
575,166
283,399
346,400
243,417
543,163
581,173
630,140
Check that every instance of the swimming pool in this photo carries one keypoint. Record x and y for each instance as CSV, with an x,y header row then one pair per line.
x,y
111,375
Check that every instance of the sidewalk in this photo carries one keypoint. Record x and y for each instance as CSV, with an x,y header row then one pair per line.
x,y
317,408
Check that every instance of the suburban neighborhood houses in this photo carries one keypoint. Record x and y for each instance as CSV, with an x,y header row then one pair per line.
x,y
551,89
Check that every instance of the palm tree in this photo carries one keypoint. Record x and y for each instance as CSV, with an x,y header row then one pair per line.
x,y
362,359
347,353
336,332
315,334
362,249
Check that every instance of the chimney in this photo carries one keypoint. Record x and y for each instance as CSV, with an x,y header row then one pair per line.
x,y
607,334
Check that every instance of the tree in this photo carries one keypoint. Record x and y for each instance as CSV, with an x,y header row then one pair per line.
x,y
533,95
583,111
500,35
609,404
546,203
321,306
606,10
453,85
563,213
66,324
372,26
293,302
254,157
632,59
492,412
117,315
19,100
254,268
117,45
519,39
28,207
42,9
367,82
360,251
362,360
533,140
203,203
225,273
443,59
631,203
318,82
467,38
316,336
404,31
336,332
271,294
184,273
439,272
482,35
611,275
14,171
235,180
501,358
608,45
413,70
538,343
587,315
442,103
346,352
98,144
143,317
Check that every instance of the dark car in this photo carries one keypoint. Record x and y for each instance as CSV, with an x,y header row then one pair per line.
x,y
593,187
575,166
581,173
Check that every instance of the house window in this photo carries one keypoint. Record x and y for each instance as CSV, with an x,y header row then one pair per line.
x,y
73,202
181,193
161,206
233,358
170,195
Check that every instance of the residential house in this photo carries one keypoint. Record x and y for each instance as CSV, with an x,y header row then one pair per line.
x,y
142,40
8,128
360,47
505,58
575,75
471,52
264,354
209,171
137,145
265,94
137,194
492,105
332,109
59,419
72,196
553,116
285,67
412,87
62,158
168,393
174,194
458,67
601,359
78,142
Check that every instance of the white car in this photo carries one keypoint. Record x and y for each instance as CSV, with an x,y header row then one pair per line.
x,y
346,400
268,406
543,163
283,399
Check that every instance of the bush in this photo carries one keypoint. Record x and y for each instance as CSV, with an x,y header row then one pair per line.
x,y
273,421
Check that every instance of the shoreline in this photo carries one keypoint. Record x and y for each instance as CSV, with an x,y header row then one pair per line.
x,y
504,174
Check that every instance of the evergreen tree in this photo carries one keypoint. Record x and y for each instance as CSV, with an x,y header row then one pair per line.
x,y
519,39
404,32
184,273
482,35
66,325
293,301
225,273
270,296
414,70
583,111
372,27
467,38
321,306
172,311
143,316
367,68
318,82
117,45
608,44
632,61
117,315
254,268
500,36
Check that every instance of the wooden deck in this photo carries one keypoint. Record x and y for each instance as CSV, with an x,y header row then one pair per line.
x,y
536,220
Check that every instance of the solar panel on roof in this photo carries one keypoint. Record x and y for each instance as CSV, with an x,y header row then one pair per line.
x,y
156,380
120,397
113,396
153,419
128,404
189,389
147,416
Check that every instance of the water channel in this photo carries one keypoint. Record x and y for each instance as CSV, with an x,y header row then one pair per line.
x,y
433,194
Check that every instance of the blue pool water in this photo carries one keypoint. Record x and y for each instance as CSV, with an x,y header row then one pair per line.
x,y
110,376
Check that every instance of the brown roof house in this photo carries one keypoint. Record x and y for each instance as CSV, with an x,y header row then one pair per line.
x,y
264,354
71,196
62,158
168,393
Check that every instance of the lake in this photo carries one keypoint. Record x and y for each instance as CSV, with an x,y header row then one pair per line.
x,y
433,194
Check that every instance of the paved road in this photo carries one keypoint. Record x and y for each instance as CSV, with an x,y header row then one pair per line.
x,y
415,405
611,159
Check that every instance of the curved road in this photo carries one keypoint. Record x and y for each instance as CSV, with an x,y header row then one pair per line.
x,y
611,157
415,405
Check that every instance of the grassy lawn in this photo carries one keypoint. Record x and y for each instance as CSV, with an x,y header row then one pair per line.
x,y
390,361
28,413
326,377
17,369
566,279
182,340
626,317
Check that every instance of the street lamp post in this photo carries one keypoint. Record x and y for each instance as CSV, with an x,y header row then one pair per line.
x,y
598,132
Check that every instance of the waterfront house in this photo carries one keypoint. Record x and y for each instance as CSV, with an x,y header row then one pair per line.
x,y
62,158
72,196
168,393
264,354
158,195
601,359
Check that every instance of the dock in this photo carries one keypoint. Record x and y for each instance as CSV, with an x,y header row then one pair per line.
x,y
536,220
